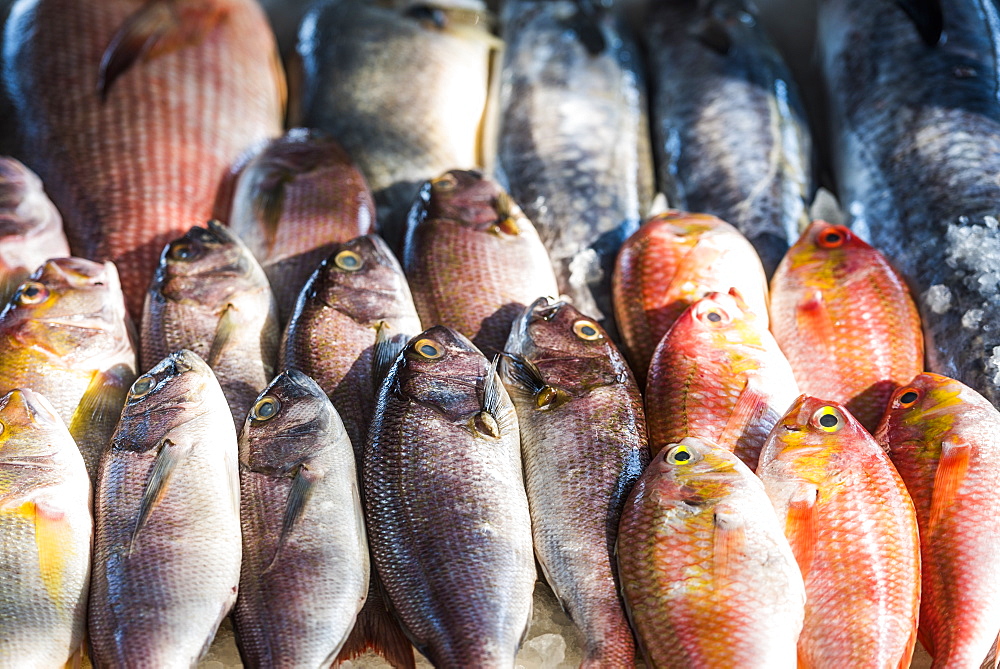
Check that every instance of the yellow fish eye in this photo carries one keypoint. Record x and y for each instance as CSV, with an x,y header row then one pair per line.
x,y
428,348
678,455
349,261
445,183
31,293
587,330
907,397
142,386
828,419
181,251
265,408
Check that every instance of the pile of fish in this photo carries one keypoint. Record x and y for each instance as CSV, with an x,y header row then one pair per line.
x,y
353,384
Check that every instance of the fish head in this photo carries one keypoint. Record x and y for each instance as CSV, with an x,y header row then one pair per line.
x,y
17,185
698,471
926,409
828,253
30,434
206,266
718,321
469,199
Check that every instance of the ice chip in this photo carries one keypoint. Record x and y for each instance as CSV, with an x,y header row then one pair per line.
x,y
994,364
938,298
991,222
972,318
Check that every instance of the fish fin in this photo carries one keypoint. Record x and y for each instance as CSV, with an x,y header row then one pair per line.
x,y
907,658
388,346
800,528
269,201
75,660
711,32
728,543
377,630
813,319
521,374
991,656
492,397
927,17
157,28
50,542
99,410
167,459
704,254
303,484
751,405
948,479
659,205
223,335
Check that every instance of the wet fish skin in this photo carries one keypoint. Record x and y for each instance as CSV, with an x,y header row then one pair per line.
x,y
730,132
583,440
46,533
941,435
702,560
853,530
305,555
65,334
845,320
916,158
167,544
472,259
574,141
210,295
443,421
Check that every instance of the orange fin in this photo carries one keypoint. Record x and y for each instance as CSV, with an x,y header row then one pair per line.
x,y
729,542
749,408
813,320
378,631
157,28
800,528
53,552
703,255
948,478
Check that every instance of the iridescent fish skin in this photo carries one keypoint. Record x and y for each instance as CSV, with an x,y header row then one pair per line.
x,y
944,439
845,320
703,562
673,260
853,530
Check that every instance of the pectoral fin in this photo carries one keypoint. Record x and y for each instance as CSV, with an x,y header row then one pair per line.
x,y
729,544
749,408
800,528
224,331
951,469
303,484
96,416
169,456
388,345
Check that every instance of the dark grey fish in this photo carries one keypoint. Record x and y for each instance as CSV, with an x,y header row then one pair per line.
x,y
914,97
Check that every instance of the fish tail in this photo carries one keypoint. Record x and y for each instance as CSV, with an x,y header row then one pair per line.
x,y
378,631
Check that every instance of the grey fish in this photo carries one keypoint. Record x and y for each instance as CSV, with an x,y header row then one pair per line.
x,y
730,131
574,140
917,156
445,504
167,542
305,556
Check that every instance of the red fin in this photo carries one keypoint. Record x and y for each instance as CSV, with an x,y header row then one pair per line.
x,y
813,320
729,543
800,528
751,405
991,657
159,27
947,480
378,631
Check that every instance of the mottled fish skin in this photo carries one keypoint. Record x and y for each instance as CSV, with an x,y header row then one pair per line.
x,y
730,133
583,439
442,477
917,151
402,86
305,556
45,535
472,259
293,201
853,530
210,295
65,334
845,320
30,226
574,140
166,557
139,167
719,373
673,260
944,440
707,575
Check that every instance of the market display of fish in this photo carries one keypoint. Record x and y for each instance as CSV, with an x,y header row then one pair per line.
x,y
167,509
402,86
730,133
574,147
583,440
45,535
292,202
131,113
305,556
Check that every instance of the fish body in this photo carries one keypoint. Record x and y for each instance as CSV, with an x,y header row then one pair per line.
x,y
131,113
45,535
718,372
703,562
673,260
917,151
305,556
473,260
845,320
445,505
942,437
574,140
209,295
167,540
65,334
583,440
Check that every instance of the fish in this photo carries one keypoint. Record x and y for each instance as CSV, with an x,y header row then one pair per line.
x,y
30,226
673,260
718,373
583,440
730,132
293,201
167,546
704,564
210,295
916,138
853,530
402,86
472,259
942,437
66,335
574,148
442,476
845,320
45,535
131,113
305,555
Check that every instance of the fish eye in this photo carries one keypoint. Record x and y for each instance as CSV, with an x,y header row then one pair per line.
x,y
714,316
428,348
507,226
587,330
142,386
833,237
349,261
828,419
678,455
265,408
444,184
31,293
908,397
181,251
